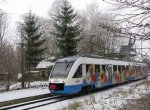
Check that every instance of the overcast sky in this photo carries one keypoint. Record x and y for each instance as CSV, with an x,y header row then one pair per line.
x,y
16,8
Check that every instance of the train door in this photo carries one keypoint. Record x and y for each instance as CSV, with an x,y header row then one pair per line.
x,y
76,80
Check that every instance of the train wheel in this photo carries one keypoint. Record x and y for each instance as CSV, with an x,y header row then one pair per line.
x,y
86,90
83,91
89,89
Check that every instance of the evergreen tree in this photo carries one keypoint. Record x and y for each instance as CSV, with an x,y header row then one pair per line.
x,y
66,30
33,42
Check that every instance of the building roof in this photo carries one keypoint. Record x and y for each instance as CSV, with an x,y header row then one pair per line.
x,y
44,64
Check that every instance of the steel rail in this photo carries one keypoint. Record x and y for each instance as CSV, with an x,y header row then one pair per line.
x,y
27,103
40,105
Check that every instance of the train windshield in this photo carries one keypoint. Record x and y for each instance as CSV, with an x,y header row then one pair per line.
x,y
61,69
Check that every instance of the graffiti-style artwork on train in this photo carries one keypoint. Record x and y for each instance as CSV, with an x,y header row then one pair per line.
x,y
124,73
137,71
116,75
132,72
127,71
121,72
97,74
103,76
109,71
91,76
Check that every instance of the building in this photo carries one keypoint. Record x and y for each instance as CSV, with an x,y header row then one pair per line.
x,y
44,68
127,53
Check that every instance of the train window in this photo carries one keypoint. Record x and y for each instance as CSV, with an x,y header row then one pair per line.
x,y
138,68
89,69
114,68
127,67
78,73
61,69
120,69
142,68
123,68
97,70
103,68
88,66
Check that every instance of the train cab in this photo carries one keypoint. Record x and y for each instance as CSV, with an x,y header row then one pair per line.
x,y
66,76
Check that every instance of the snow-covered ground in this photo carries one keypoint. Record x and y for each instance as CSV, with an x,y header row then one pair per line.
x,y
110,99
37,88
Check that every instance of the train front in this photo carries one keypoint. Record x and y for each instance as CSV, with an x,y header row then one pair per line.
x,y
59,83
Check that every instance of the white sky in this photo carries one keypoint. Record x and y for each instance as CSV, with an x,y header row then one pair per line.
x,y
16,8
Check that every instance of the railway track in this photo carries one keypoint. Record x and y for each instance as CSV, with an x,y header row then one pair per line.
x,y
49,102
51,99
35,103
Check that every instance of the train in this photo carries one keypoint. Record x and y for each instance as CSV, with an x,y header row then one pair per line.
x,y
81,73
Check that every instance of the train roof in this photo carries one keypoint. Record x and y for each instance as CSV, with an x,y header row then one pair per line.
x,y
74,58
68,59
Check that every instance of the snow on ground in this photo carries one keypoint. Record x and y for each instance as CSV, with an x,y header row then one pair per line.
x,y
110,99
17,85
37,88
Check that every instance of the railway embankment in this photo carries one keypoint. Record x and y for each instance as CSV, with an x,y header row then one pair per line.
x,y
142,103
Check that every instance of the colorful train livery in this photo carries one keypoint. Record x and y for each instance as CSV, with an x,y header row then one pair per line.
x,y
74,74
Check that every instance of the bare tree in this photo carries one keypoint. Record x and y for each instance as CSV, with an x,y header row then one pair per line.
x,y
55,8
96,39
134,17
8,56
11,66
47,28
3,25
